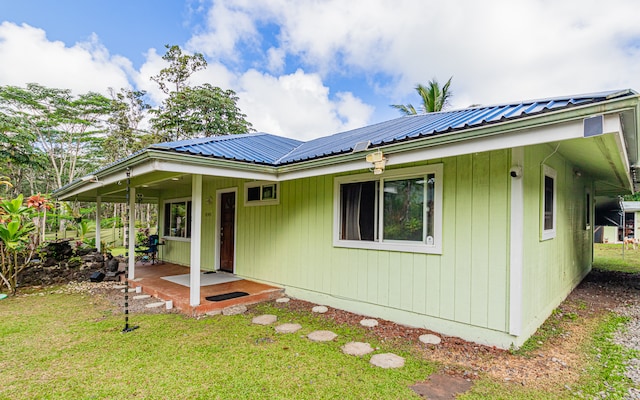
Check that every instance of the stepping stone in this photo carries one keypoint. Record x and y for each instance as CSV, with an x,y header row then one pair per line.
x,y
213,313
357,348
155,305
141,296
288,328
266,319
320,309
387,360
118,287
282,300
321,336
430,339
234,310
369,323
130,290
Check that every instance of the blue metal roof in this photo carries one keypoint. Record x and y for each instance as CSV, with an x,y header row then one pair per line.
x,y
261,148
274,150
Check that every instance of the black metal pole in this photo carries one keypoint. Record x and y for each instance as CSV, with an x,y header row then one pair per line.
x,y
127,328
57,220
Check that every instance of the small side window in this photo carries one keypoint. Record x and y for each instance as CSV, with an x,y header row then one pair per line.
x,y
261,193
587,209
549,201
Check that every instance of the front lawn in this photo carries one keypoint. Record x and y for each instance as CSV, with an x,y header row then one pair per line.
x,y
71,346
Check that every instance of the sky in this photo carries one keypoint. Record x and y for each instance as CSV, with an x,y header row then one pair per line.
x,y
310,68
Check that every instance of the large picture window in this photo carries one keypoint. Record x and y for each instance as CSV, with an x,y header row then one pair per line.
x,y
549,194
177,218
400,211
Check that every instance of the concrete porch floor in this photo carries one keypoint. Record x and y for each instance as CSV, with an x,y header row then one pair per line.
x,y
148,277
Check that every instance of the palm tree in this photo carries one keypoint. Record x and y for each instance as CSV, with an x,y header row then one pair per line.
x,y
433,98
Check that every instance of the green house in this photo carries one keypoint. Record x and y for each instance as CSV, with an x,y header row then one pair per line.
x,y
474,223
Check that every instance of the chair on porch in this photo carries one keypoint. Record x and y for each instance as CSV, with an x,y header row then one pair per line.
x,y
148,251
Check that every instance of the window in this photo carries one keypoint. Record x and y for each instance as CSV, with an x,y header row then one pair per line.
x,y
548,203
399,211
587,209
261,193
177,218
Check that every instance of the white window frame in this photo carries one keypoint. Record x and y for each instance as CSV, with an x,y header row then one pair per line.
x,y
380,243
262,185
170,201
546,234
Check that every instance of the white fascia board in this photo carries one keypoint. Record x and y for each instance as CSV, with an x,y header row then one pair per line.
x,y
185,168
119,176
326,170
554,133
612,124
499,141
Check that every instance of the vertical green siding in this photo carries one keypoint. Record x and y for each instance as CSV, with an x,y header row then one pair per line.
x,y
498,241
291,244
553,267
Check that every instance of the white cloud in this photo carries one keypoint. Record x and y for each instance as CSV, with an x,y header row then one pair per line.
x,y
499,50
298,105
28,57
226,27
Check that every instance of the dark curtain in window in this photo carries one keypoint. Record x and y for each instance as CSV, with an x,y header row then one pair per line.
x,y
358,211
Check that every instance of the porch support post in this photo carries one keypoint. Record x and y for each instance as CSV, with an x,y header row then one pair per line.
x,y
98,218
516,257
196,239
132,233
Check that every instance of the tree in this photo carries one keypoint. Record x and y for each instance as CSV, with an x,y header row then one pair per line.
x,y
19,159
124,134
65,128
200,111
433,98
190,112
181,67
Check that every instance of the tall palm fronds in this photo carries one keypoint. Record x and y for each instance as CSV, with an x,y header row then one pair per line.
x,y
434,98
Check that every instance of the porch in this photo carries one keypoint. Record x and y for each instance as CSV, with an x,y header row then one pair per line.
x,y
152,278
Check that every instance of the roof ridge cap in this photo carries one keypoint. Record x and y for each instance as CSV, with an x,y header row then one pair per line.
x,y
277,162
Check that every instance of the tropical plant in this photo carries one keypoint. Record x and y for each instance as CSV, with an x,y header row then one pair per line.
x,y
16,241
434,98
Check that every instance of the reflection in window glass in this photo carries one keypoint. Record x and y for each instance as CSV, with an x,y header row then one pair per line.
x,y
548,202
177,219
404,209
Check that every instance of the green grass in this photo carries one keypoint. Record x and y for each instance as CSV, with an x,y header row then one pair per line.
x,y
605,374
59,346
608,257
63,346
